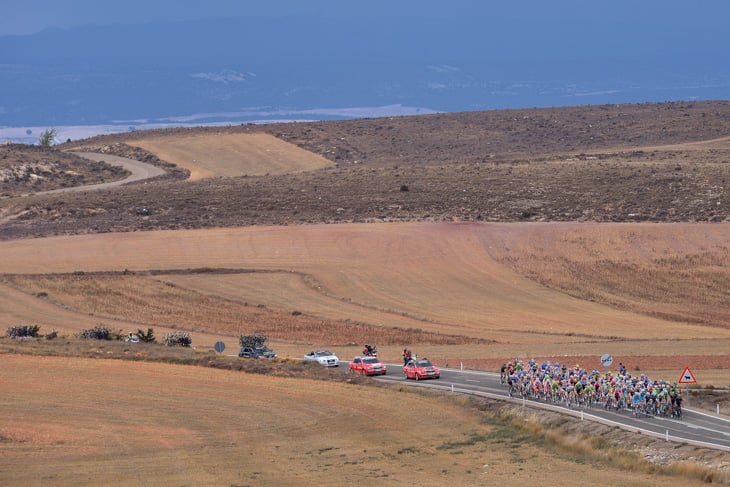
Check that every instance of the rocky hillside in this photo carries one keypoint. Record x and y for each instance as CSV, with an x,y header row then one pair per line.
x,y
598,163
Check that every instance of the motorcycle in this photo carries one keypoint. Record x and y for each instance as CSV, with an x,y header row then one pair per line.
x,y
370,350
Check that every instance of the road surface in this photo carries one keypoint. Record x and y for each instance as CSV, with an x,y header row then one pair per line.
x,y
139,170
696,427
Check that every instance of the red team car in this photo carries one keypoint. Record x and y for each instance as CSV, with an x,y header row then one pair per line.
x,y
367,366
421,368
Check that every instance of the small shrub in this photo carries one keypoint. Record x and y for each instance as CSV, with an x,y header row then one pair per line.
x,y
52,335
148,337
404,187
99,332
178,339
47,137
23,331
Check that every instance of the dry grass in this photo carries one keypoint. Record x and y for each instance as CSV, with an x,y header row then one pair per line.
x,y
445,276
597,444
75,346
424,285
683,277
159,424
148,301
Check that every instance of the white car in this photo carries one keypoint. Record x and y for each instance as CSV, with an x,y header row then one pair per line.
x,y
323,357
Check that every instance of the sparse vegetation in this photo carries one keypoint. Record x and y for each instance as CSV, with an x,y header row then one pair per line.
x,y
598,444
21,331
47,137
146,337
545,167
100,332
31,168
178,339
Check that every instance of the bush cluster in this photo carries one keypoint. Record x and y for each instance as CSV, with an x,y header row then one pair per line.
x,y
100,332
178,339
255,341
23,331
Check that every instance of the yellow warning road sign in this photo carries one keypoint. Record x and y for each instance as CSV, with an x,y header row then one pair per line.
x,y
687,377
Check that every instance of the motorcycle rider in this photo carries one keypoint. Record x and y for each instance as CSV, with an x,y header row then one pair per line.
x,y
407,355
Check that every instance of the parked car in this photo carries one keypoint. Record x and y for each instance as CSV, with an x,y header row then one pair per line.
x,y
323,357
256,352
421,368
367,366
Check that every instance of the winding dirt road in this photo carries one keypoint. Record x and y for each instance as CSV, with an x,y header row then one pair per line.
x,y
139,170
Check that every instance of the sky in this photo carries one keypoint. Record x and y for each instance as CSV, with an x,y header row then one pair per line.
x,y
31,16
86,62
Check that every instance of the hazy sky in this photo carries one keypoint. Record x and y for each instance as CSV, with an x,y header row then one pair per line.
x,y
152,59
31,16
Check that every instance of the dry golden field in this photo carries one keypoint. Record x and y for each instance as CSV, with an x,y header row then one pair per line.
x,y
109,422
453,282
226,155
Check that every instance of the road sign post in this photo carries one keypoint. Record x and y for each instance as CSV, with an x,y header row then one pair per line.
x,y
688,378
606,360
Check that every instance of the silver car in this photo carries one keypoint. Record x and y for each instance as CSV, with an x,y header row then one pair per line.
x,y
323,357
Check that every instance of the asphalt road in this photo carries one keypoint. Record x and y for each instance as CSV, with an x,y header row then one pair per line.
x,y
695,428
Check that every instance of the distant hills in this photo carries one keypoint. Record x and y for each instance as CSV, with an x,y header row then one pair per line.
x,y
314,67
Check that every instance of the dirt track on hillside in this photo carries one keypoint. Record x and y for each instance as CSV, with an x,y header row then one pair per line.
x,y
139,170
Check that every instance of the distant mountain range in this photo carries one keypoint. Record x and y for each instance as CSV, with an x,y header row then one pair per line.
x,y
309,67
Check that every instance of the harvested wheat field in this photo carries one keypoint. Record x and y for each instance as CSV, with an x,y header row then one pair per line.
x,y
216,155
476,282
114,422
